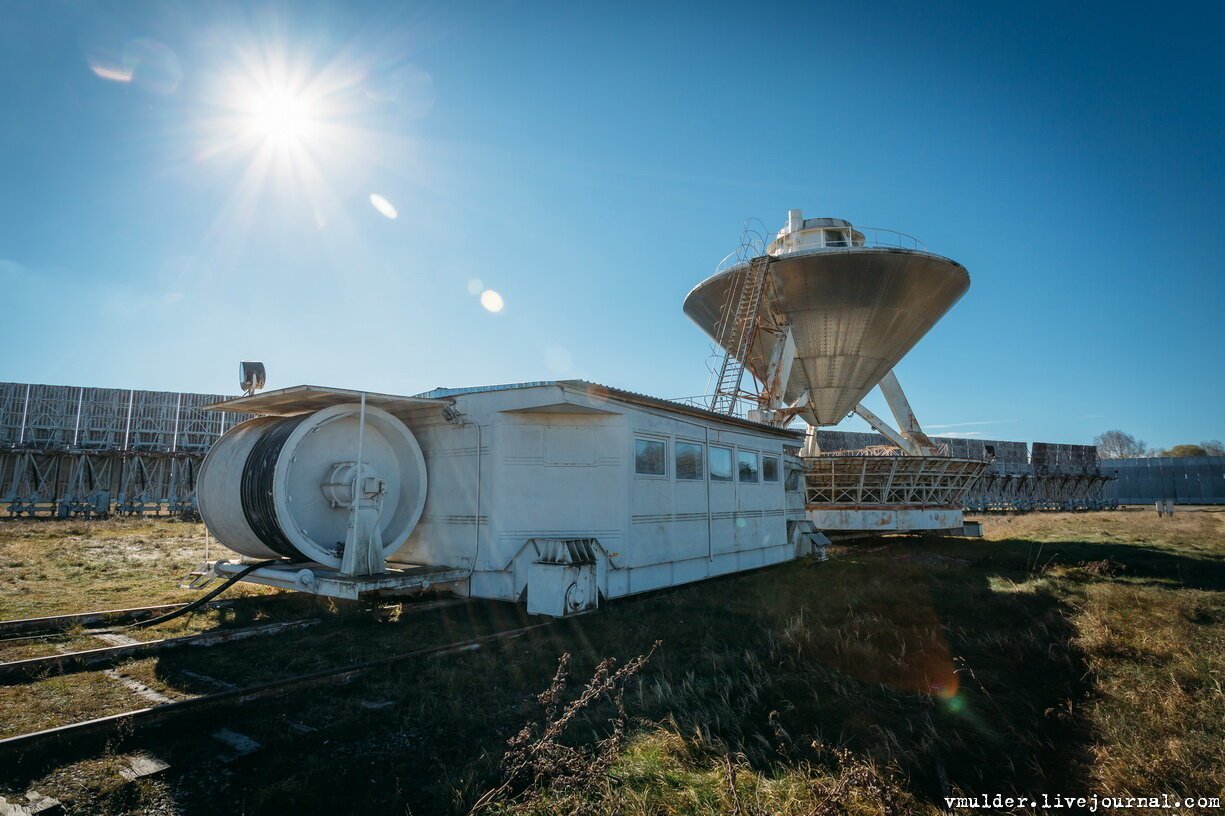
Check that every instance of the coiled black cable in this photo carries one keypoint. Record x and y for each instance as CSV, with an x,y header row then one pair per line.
x,y
256,488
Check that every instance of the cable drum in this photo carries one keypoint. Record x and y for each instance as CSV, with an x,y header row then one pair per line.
x,y
256,486
269,488
219,493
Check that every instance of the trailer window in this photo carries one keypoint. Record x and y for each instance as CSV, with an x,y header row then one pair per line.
x,y
689,464
769,468
746,464
649,455
720,464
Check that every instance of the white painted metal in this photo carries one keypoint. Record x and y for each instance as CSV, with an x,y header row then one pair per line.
x,y
393,467
908,436
885,430
218,489
317,486
363,553
854,307
556,462
319,580
907,422
886,519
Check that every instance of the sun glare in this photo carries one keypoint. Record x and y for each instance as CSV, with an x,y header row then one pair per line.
x,y
280,116
297,133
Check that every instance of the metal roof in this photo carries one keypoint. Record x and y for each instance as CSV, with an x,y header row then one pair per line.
x,y
608,391
299,399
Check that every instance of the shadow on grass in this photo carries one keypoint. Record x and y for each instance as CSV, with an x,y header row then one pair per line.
x,y
1018,558
955,671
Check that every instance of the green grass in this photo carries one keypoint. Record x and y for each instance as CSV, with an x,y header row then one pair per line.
x,y
1066,653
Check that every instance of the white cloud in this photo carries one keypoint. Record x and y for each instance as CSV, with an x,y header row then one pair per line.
x,y
973,422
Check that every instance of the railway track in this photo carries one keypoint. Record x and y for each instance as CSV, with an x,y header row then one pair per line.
x,y
37,668
12,631
42,627
67,742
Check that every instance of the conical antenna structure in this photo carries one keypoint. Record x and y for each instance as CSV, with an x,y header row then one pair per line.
x,y
851,306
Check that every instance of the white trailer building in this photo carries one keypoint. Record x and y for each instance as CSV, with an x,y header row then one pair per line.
x,y
559,494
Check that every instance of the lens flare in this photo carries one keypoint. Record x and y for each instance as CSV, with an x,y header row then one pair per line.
x,y
112,73
492,301
383,206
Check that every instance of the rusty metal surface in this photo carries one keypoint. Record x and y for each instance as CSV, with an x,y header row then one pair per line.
x,y
854,313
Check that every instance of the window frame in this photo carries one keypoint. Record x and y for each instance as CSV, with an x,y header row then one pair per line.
x,y
777,468
676,464
663,460
756,466
731,462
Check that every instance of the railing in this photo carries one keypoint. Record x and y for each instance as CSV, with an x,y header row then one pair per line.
x,y
873,238
740,410
883,237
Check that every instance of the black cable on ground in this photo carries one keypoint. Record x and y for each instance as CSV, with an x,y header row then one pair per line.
x,y
203,599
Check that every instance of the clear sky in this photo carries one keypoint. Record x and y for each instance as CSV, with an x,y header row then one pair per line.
x,y
184,185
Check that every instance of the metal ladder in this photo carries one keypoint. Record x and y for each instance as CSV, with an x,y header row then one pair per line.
x,y
738,331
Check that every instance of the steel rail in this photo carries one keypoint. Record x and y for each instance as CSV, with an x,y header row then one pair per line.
x,y
60,623
77,738
36,668
32,628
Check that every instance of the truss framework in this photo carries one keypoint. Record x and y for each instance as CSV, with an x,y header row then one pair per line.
x,y
1017,493
65,484
58,417
833,481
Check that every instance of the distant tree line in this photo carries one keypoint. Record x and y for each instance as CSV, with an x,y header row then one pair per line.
x,y
1121,445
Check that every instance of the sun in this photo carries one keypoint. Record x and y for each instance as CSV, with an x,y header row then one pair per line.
x,y
293,132
280,116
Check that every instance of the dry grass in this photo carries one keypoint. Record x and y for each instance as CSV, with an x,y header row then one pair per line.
x,y
660,773
1198,533
1071,653
51,567
1158,656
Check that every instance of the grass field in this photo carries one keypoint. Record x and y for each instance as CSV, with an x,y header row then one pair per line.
x,y
1063,653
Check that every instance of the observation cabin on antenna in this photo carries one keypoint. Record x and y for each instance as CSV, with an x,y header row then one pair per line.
x,y
564,494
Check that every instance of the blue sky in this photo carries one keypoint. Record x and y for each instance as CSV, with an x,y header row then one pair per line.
x,y
590,166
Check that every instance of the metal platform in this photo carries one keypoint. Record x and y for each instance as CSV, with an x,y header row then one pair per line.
x,y
320,580
888,481
887,493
